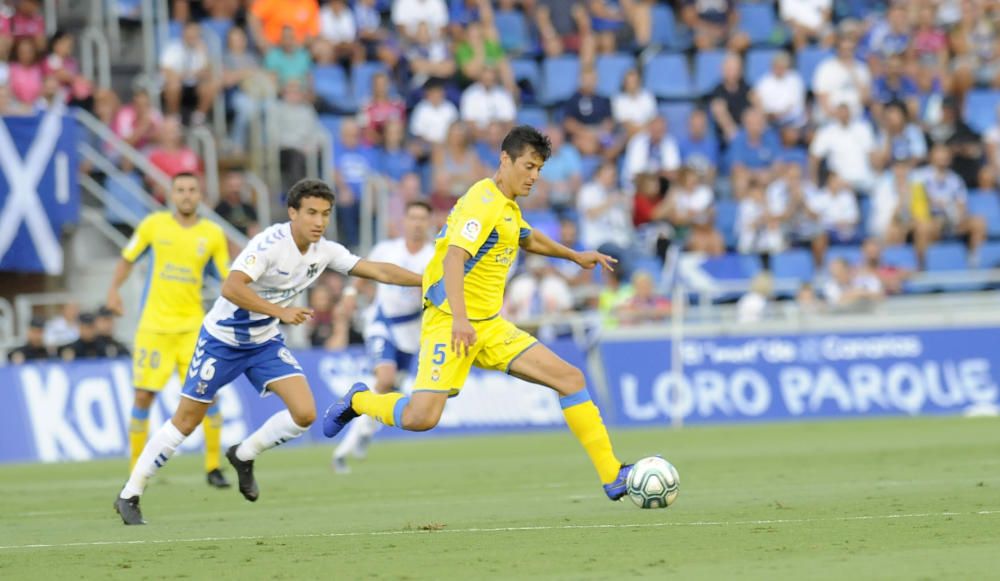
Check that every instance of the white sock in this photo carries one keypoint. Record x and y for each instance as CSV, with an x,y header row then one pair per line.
x,y
158,450
277,430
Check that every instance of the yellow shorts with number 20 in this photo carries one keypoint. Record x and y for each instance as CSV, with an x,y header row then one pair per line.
x,y
157,355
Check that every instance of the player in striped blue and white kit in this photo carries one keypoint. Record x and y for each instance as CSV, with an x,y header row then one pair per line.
x,y
392,322
240,336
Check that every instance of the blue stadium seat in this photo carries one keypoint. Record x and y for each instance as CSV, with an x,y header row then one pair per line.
x,y
589,165
545,221
665,31
220,27
987,205
667,76
361,80
901,256
534,116
758,22
947,256
332,124
981,109
677,115
513,31
527,70
707,70
611,69
852,254
758,63
330,84
794,264
989,255
807,60
725,220
560,79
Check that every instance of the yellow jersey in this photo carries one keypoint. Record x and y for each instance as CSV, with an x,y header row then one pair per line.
x,y
179,260
489,226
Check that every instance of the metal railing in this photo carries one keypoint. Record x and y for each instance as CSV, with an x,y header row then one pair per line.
x,y
51,10
99,222
374,213
24,306
150,35
95,59
202,142
263,199
6,321
104,16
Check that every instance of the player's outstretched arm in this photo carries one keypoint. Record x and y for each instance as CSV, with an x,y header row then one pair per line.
x,y
386,273
114,300
539,243
236,291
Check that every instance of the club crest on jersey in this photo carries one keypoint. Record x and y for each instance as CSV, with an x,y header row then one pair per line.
x,y
471,229
288,358
312,270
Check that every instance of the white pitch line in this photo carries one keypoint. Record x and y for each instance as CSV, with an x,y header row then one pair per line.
x,y
501,530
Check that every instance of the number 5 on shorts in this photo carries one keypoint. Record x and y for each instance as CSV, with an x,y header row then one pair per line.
x,y
438,354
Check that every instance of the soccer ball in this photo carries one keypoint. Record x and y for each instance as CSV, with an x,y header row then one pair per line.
x,y
653,483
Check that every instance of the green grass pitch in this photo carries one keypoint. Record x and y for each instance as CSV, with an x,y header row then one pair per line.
x,y
865,499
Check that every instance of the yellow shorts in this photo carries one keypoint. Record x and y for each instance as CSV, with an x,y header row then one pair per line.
x,y
498,344
157,355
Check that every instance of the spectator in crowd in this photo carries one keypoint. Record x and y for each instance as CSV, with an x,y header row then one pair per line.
x,y
268,20
538,291
289,61
699,149
61,65
991,143
837,208
64,329
106,107
455,163
138,122
964,143
846,145
26,22
170,155
752,153
570,271
394,158
479,51
242,81
34,348
645,306
806,302
841,79
891,216
791,150
233,206
646,199
898,139
809,21
894,86
376,40
404,192
974,44
353,164
930,43
564,25
25,75
614,293
947,214
930,96
587,117
433,115
890,36
730,99
781,93
605,214
562,174
320,326
104,325
891,278
606,19
488,150
381,109
634,107
428,58
844,291
753,306
338,33
408,15
485,101
87,345
651,151
714,24
758,229
188,82
298,138
690,209
52,96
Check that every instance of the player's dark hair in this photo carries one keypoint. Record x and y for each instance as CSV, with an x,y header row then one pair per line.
x,y
309,188
183,174
419,204
524,136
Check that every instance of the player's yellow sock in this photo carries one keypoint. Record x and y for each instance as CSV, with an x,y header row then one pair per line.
x,y
213,437
138,431
384,407
584,420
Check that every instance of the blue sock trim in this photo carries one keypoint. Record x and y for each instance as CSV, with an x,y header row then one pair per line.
x,y
212,410
397,411
582,396
139,414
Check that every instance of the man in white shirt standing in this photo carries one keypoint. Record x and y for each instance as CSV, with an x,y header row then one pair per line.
x,y
433,115
392,322
651,151
187,75
847,145
240,336
605,213
487,101
781,93
407,15
808,19
841,79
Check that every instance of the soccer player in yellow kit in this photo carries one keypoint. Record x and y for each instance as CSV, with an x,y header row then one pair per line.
x,y
463,293
183,249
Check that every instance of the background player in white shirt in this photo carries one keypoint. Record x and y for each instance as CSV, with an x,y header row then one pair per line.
x,y
392,322
240,336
